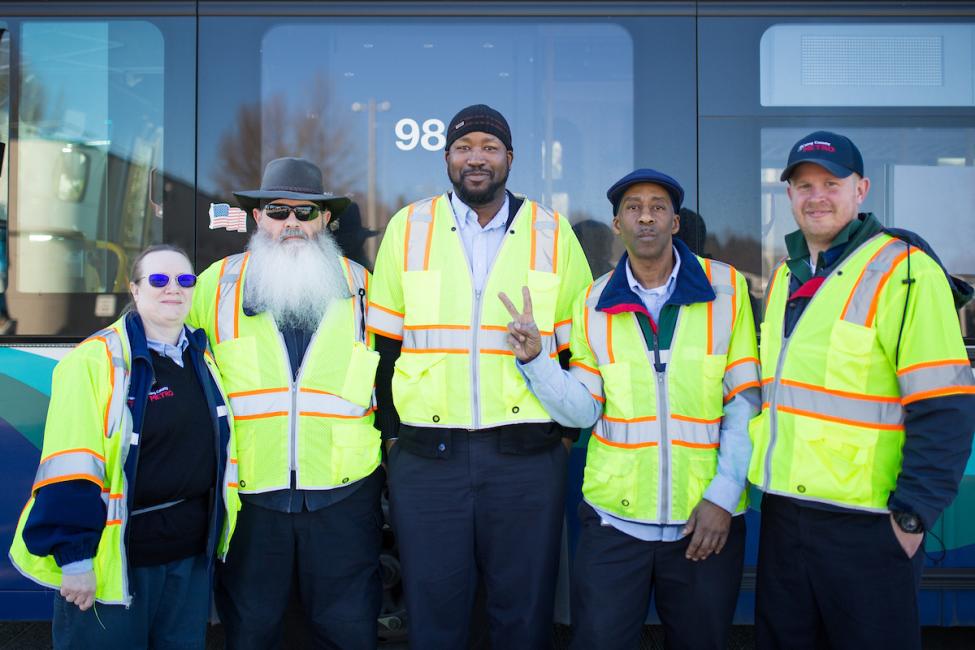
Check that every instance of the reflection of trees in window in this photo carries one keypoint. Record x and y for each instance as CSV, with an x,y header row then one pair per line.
x,y
304,123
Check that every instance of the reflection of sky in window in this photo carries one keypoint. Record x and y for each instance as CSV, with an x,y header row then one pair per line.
x,y
101,82
570,84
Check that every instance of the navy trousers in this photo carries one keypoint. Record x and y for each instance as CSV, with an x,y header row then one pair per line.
x,y
833,580
614,575
333,553
478,513
169,611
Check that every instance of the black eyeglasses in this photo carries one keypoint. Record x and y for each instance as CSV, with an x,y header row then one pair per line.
x,y
160,280
280,212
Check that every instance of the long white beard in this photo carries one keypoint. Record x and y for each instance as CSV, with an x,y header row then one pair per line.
x,y
296,281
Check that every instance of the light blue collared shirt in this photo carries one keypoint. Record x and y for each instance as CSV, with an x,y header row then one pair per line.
x,y
174,352
480,244
569,403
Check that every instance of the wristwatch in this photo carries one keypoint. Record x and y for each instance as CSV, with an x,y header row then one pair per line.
x,y
908,522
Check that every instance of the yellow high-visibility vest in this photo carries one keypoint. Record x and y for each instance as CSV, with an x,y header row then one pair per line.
x,y
87,437
832,424
320,425
654,450
456,369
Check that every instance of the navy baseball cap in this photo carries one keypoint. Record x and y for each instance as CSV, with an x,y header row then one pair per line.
x,y
615,193
833,152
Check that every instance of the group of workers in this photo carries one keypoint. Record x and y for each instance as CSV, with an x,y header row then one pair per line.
x,y
268,400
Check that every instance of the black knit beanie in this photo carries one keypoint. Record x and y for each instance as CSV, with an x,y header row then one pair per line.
x,y
479,117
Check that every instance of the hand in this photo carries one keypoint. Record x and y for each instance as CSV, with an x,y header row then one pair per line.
x,y
389,444
79,589
523,335
709,524
910,542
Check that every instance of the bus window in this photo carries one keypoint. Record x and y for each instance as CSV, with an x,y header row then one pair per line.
x,y
369,101
87,126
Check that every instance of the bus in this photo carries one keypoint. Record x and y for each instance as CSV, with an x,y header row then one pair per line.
x,y
122,122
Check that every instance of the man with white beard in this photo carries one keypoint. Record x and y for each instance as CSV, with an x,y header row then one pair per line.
x,y
286,321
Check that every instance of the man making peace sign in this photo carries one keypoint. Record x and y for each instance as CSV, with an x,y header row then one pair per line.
x,y
664,363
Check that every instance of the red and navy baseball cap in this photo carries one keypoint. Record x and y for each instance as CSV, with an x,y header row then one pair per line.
x,y
833,152
676,192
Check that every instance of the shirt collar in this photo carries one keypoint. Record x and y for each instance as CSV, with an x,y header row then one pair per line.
x,y
466,217
665,288
174,352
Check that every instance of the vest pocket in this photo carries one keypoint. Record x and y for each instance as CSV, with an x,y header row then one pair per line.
x,y
758,431
544,288
712,386
355,450
238,364
610,479
618,388
832,461
692,470
848,356
421,296
360,377
420,388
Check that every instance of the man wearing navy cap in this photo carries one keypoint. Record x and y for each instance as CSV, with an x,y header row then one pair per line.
x,y
664,364
869,408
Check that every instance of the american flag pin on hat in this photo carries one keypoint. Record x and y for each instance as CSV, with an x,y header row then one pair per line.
x,y
222,215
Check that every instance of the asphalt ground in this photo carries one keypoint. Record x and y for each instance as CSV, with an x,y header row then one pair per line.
x,y
37,636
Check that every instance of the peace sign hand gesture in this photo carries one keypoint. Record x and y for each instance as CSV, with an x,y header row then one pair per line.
x,y
523,335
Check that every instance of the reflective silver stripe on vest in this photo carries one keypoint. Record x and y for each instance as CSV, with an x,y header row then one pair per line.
x,y
115,510
383,322
590,378
232,474
563,334
357,280
858,310
459,340
120,384
68,465
326,405
640,431
275,401
723,307
595,321
228,296
916,381
849,409
743,375
419,232
545,232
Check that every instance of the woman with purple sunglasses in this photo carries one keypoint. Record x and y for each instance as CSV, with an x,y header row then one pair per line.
x,y
136,493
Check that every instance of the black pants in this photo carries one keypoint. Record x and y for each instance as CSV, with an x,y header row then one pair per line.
x,y
614,574
478,513
334,552
833,580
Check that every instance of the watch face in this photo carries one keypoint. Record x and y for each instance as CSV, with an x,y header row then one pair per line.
x,y
908,523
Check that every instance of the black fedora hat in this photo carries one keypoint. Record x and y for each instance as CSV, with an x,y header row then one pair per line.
x,y
292,178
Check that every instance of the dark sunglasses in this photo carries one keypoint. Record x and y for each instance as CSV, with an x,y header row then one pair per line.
x,y
280,212
160,280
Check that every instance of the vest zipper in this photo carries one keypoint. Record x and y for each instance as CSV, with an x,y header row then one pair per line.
x,y
293,412
773,407
663,412
476,318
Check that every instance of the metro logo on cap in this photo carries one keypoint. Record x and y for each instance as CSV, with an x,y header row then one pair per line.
x,y
816,145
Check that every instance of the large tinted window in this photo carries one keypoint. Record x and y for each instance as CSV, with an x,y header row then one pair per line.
x,y
765,84
369,99
100,135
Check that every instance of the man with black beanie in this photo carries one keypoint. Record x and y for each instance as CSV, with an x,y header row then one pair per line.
x,y
476,464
